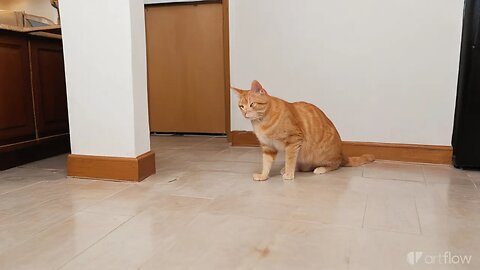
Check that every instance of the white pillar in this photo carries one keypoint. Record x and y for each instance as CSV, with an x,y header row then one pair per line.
x,y
105,66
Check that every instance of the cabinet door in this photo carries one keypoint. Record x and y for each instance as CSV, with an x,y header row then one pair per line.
x,y
49,86
16,105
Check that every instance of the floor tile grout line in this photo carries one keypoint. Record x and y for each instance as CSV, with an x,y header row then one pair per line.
x,y
33,236
474,183
365,212
93,244
418,216
391,231
33,205
128,185
424,176
84,209
20,188
192,196
310,222
153,253
393,179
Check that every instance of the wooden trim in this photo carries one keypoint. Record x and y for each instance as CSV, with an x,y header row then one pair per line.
x,y
401,152
226,53
383,151
112,168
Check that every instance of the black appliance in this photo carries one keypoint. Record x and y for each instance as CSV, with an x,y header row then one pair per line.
x,y
466,130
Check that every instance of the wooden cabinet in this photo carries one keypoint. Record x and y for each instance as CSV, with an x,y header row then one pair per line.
x,y
16,103
33,100
49,86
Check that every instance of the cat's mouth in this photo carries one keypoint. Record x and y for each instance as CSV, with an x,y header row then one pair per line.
x,y
252,118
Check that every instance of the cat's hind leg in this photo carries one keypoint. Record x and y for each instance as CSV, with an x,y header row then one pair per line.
x,y
327,168
291,155
322,170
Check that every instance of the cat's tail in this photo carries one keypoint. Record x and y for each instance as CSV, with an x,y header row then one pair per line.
x,y
357,161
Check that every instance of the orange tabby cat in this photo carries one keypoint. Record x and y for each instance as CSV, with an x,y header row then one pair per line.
x,y
310,140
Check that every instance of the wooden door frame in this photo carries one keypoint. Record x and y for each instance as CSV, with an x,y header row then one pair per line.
x,y
226,62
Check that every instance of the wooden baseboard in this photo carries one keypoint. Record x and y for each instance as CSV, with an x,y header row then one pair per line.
x,y
112,168
401,152
383,151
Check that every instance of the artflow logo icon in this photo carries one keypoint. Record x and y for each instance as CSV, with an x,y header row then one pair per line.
x,y
414,256
418,257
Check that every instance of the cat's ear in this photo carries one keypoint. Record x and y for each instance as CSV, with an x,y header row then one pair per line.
x,y
237,91
257,88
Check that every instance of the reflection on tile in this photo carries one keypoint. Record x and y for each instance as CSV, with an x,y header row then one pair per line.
x,y
20,177
176,142
335,208
246,154
55,246
215,242
192,155
54,163
32,196
168,164
26,198
377,250
385,187
129,201
156,228
305,246
226,166
251,205
442,174
19,228
394,214
372,249
164,176
476,182
472,173
346,172
215,143
394,171
457,193
206,184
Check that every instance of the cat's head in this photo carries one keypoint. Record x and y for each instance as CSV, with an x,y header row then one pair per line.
x,y
253,103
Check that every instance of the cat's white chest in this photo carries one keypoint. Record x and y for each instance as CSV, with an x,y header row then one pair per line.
x,y
267,141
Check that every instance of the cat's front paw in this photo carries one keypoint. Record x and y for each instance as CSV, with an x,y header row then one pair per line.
x,y
259,177
288,176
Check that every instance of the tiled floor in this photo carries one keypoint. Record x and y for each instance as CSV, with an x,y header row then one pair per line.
x,y
203,211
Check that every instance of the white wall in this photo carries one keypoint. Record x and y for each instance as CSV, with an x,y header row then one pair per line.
x,y
105,65
34,7
383,71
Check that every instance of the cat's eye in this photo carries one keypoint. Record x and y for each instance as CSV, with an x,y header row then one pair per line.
x,y
252,104
241,106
